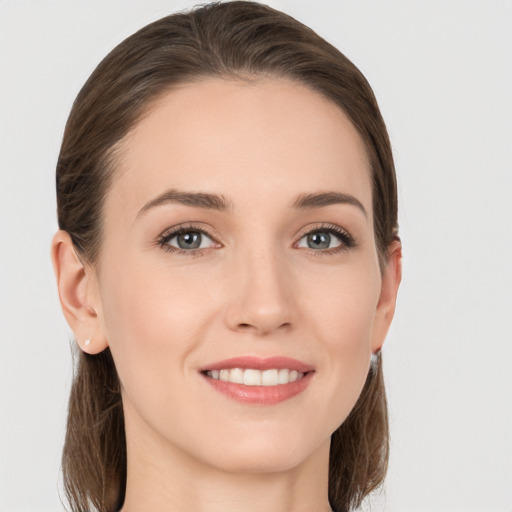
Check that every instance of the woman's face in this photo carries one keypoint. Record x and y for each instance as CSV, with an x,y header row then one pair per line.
x,y
239,225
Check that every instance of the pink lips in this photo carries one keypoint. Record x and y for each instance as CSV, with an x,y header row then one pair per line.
x,y
258,363
260,394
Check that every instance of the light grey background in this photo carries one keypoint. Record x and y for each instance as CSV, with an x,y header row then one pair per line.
x,y
442,73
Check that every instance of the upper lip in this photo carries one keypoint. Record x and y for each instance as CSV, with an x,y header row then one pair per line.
x,y
260,363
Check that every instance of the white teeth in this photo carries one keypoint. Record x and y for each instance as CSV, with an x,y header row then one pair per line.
x,y
236,375
284,375
251,377
269,377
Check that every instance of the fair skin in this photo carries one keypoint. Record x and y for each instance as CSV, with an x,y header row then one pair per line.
x,y
258,285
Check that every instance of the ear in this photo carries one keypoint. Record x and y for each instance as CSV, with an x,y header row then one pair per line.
x,y
79,294
391,277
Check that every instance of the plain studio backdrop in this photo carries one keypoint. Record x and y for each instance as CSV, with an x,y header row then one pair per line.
x,y
442,73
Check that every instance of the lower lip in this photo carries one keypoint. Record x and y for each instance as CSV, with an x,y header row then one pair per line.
x,y
266,395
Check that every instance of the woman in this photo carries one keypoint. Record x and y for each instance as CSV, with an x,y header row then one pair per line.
x,y
228,261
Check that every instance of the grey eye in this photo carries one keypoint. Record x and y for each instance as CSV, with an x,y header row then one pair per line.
x,y
320,240
190,240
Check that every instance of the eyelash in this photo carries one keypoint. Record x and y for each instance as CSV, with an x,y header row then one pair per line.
x,y
347,240
164,238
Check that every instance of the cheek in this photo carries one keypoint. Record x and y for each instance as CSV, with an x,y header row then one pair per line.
x,y
343,304
341,312
153,319
146,299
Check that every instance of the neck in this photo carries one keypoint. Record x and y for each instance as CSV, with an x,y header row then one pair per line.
x,y
163,478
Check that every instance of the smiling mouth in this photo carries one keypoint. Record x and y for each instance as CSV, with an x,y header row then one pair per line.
x,y
259,380
253,377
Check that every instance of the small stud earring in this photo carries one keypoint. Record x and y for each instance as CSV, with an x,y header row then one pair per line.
x,y
374,360
87,342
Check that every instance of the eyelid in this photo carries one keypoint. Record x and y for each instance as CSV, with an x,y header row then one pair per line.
x,y
346,239
318,226
163,239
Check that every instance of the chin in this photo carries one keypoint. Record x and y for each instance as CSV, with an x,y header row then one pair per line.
x,y
263,452
259,461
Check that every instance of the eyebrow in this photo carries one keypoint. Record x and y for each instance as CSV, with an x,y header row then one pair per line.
x,y
198,199
220,203
311,201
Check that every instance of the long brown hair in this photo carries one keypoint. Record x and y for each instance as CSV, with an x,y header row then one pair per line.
x,y
233,39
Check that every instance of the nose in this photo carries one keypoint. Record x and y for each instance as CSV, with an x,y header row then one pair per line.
x,y
261,295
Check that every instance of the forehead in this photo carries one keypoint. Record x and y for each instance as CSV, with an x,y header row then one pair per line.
x,y
265,138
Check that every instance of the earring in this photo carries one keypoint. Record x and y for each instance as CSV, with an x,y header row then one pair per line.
x,y
87,342
374,360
